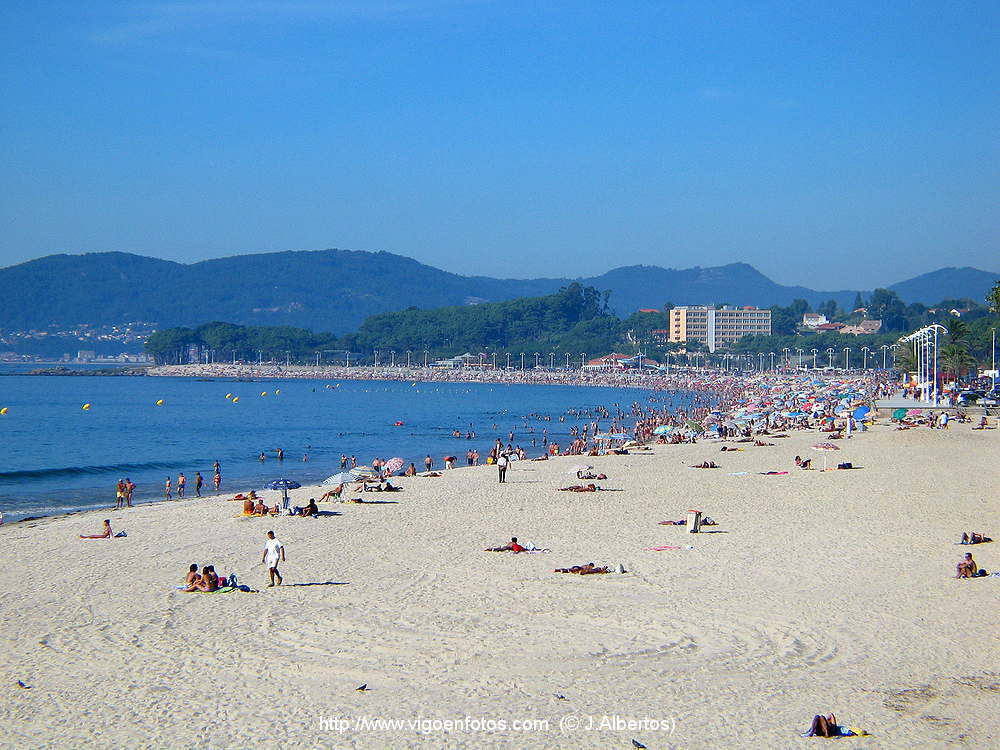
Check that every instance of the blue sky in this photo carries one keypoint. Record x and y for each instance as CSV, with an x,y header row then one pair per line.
x,y
829,144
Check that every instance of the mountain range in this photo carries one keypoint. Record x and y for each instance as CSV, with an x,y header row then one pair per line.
x,y
335,290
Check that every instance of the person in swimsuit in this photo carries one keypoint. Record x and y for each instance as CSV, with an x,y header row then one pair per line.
x,y
580,488
106,534
198,483
248,506
967,568
192,575
512,547
584,570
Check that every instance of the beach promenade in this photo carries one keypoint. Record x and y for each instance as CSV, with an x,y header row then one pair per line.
x,y
818,591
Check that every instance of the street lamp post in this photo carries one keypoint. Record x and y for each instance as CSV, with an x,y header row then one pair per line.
x,y
583,359
392,358
786,351
508,360
408,353
567,360
885,349
537,357
847,358
829,352
522,360
814,352
772,359
425,358
493,359
799,351
376,359
552,360
865,351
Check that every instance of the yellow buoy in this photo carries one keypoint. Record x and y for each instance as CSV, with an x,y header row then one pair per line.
x,y
3,410
86,407
229,395
159,402
236,399
263,393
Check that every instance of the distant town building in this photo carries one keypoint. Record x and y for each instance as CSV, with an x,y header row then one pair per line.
x,y
616,361
864,328
830,326
812,320
717,327
86,355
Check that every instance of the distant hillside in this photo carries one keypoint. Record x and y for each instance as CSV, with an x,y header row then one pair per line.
x,y
954,283
336,290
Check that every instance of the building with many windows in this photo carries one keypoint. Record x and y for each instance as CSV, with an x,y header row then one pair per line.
x,y
717,327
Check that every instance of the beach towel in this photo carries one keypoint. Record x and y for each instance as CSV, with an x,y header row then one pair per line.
x,y
660,549
220,590
738,473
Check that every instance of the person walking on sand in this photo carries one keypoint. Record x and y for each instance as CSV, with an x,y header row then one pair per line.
x,y
502,461
166,490
181,484
274,552
198,482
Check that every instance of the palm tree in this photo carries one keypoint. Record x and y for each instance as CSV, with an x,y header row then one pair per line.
x,y
906,360
955,359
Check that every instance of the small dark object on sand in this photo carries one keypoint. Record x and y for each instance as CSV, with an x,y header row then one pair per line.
x,y
361,688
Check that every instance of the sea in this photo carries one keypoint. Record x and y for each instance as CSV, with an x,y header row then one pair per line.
x,y
58,457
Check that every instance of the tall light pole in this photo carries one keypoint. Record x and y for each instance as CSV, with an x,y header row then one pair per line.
x,y
829,352
508,360
537,357
493,359
376,359
408,353
772,359
567,360
760,361
425,358
552,360
583,359
993,351
847,358
799,351
522,360
814,351
392,358
786,352
885,349
865,350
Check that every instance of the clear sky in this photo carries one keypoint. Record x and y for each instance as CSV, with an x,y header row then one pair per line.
x,y
829,144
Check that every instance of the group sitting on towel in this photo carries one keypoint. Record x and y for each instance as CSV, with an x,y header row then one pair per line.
x,y
206,581
973,538
250,508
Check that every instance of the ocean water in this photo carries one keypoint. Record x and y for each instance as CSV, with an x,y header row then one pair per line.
x,y
58,457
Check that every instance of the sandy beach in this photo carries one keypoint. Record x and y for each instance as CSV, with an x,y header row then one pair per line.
x,y
817,592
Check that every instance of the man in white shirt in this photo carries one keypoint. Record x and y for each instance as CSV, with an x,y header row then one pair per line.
x,y
273,552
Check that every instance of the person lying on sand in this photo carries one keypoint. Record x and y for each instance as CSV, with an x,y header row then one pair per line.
x,y
827,726
251,495
590,475
973,538
544,457
706,465
729,448
967,568
580,488
432,474
106,534
584,570
706,521
762,444
512,547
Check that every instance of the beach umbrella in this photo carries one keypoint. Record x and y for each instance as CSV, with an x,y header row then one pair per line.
x,y
663,429
284,485
342,477
899,413
861,412
825,448
914,412
393,465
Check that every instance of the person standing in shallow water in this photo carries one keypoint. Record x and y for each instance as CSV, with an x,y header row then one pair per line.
x,y
198,482
181,484
166,490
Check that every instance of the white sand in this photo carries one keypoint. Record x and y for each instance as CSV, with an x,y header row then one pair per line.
x,y
826,591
